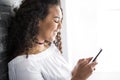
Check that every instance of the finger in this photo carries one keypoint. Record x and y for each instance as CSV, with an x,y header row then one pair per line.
x,y
93,69
93,64
80,60
89,59
83,63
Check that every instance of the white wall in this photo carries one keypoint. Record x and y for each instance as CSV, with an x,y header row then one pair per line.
x,y
94,24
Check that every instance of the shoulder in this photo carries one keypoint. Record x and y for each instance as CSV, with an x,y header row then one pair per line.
x,y
22,68
23,63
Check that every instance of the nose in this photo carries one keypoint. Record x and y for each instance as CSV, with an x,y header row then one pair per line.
x,y
60,25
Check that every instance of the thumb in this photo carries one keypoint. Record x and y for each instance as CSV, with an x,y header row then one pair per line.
x,y
89,59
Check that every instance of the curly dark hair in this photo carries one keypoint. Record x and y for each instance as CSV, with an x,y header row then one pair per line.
x,y
23,28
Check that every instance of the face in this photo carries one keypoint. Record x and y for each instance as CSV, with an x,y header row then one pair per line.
x,y
50,26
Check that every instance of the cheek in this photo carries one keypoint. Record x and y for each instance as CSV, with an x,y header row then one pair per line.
x,y
52,28
49,30
52,31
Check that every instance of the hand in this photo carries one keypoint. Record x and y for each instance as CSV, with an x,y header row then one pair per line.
x,y
83,69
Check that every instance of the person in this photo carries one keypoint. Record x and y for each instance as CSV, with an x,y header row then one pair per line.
x,y
34,44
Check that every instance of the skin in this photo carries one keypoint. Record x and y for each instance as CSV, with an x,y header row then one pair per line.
x,y
51,25
48,30
83,69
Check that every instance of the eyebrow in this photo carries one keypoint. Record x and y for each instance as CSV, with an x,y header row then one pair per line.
x,y
57,17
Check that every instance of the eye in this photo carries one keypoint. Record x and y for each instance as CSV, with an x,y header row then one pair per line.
x,y
56,20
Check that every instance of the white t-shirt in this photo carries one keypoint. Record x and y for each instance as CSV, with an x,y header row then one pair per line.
x,y
47,65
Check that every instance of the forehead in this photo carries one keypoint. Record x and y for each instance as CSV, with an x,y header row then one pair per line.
x,y
55,11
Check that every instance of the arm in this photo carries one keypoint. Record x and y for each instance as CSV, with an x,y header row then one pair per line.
x,y
29,76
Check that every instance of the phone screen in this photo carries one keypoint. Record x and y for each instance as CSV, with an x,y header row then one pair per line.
x,y
94,59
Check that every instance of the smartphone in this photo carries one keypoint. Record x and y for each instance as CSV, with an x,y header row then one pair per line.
x,y
94,59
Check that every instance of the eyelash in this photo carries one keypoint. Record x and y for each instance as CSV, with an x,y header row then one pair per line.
x,y
57,21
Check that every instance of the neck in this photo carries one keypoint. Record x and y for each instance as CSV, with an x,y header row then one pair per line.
x,y
40,46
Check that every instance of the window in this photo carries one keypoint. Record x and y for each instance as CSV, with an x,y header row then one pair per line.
x,y
94,24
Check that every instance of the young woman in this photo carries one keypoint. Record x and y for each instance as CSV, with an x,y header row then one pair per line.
x,y
34,44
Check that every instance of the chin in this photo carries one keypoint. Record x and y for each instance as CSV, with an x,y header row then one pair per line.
x,y
51,39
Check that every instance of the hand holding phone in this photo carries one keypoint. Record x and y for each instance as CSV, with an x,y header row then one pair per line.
x,y
94,59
